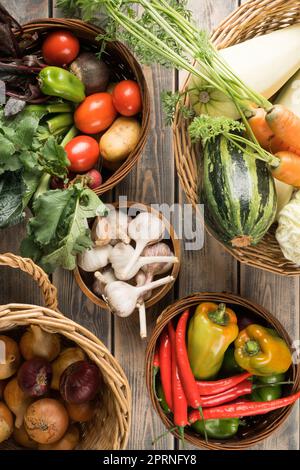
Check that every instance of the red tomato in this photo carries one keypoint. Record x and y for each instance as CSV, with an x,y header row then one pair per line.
x,y
60,48
127,98
95,114
83,153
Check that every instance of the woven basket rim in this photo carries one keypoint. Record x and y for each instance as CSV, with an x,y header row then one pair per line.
x,y
135,68
235,300
14,315
252,18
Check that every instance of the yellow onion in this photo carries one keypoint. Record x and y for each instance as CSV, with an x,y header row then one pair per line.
x,y
9,357
36,342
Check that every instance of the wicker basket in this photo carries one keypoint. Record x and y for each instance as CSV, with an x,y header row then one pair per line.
x,y
109,429
257,429
253,18
85,280
123,66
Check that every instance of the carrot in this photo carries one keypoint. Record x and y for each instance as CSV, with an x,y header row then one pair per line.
x,y
277,145
288,169
261,128
285,125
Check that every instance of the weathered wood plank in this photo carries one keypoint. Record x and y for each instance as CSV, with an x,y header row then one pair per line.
x,y
152,181
16,286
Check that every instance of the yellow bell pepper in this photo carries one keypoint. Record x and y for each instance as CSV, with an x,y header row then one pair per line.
x,y
261,351
211,330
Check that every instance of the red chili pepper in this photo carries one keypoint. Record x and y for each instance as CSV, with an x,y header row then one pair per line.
x,y
155,366
165,362
180,406
244,388
218,386
241,409
188,381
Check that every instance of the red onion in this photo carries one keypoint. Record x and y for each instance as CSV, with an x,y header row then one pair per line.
x,y
34,377
80,382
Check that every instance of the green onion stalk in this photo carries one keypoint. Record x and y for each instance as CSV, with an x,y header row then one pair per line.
x,y
163,32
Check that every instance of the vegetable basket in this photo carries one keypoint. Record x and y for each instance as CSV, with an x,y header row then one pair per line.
x,y
109,429
255,430
122,65
253,18
85,279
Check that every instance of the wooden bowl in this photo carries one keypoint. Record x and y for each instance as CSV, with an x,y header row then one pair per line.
x,y
123,65
257,428
253,18
85,279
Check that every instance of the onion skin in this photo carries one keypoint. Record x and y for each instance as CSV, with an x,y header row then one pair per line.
x,y
6,422
80,382
36,342
34,377
12,357
68,442
46,421
93,72
16,400
81,413
22,438
65,359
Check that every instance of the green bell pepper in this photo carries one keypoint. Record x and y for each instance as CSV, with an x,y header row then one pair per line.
x,y
268,393
229,365
271,379
271,391
55,81
217,428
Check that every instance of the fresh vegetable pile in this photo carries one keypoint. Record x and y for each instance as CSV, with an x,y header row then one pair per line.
x,y
46,390
61,119
210,374
124,275
249,141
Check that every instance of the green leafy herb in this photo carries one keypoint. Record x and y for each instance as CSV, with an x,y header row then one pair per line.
x,y
170,101
59,229
206,128
11,198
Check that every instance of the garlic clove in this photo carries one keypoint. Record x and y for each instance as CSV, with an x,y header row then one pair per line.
x,y
94,258
101,232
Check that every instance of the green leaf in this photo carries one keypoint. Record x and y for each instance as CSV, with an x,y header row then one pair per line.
x,y
54,158
7,148
49,209
25,128
59,230
11,198
31,179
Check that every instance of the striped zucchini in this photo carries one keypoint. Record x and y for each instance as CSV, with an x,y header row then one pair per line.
x,y
238,194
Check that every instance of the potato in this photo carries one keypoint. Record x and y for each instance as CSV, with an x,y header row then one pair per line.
x,y
120,139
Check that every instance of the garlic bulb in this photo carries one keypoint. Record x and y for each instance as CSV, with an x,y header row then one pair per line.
x,y
122,255
118,221
101,231
145,229
288,231
94,258
122,298
102,278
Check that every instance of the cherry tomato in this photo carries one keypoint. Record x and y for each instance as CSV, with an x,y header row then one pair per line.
x,y
83,153
95,114
127,98
60,48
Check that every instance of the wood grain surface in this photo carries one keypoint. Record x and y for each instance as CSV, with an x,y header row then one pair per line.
x,y
210,268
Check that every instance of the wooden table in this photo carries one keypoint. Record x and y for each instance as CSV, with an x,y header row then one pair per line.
x,y
154,181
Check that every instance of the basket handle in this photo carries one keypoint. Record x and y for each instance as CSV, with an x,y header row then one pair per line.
x,y
28,266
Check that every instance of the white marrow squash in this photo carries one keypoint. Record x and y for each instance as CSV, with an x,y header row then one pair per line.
x,y
266,63
290,94
284,193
